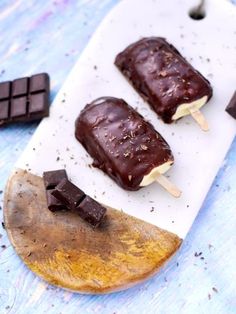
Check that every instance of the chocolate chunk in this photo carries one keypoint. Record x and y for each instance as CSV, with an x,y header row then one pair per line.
x,y
25,99
53,178
20,87
4,108
18,107
121,142
231,108
5,90
162,76
53,203
68,193
38,82
91,211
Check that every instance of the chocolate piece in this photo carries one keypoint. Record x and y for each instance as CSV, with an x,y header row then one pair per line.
x,y
68,193
121,142
162,77
51,180
53,203
91,211
231,108
25,99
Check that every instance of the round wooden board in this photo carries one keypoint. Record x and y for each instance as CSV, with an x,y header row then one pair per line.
x,y
67,252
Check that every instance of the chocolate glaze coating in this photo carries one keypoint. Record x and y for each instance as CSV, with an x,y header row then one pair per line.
x,y
161,75
120,141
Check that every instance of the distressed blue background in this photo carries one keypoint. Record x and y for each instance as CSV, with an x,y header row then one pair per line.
x,y
49,36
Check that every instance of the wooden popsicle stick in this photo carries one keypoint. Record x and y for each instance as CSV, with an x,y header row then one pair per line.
x,y
168,186
199,118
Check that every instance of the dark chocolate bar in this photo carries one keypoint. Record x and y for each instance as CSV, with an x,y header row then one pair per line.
x,y
51,180
91,211
163,77
68,193
121,142
25,99
231,108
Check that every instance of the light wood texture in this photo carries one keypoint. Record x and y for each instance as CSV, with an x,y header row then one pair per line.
x,y
168,186
67,252
199,118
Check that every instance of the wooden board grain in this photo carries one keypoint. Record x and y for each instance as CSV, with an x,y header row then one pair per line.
x,y
67,252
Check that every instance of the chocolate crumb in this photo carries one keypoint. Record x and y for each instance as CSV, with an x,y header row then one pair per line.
x,y
210,246
214,289
209,296
197,254
58,158
3,225
3,246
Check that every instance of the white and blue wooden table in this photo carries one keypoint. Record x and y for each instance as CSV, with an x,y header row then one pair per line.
x,y
49,36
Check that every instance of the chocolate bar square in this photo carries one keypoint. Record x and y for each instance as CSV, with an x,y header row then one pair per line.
x,y
20,87
18,107
4,108
39,82
5,89
38,103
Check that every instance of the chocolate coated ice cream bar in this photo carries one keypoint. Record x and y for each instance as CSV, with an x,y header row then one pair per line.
x,y
159,73
122,143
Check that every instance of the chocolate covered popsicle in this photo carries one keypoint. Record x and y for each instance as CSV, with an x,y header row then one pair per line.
x,y
166,80
123,144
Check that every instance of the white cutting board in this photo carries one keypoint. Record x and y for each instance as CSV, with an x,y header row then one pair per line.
x,y
210,45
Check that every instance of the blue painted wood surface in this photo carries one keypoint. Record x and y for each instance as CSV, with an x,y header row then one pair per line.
x,y
49,36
